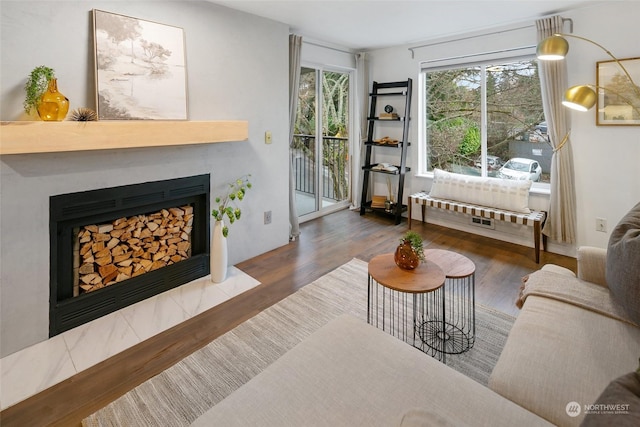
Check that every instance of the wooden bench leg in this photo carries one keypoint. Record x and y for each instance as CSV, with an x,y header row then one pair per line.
x,y
423,207
537,226
544,236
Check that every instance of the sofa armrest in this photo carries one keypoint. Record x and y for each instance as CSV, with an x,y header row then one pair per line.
x,y
591,264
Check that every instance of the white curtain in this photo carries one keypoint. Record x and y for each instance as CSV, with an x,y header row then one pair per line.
x,y
295,48
561,221
360,114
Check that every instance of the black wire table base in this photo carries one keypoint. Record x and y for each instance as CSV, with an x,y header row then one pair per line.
x,y
438,322
451,340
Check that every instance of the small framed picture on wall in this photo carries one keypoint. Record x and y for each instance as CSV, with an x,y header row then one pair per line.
x,y
618,101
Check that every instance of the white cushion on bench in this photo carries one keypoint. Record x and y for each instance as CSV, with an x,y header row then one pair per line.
x,y
492,192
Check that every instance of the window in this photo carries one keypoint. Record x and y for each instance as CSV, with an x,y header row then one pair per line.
x,y
485,119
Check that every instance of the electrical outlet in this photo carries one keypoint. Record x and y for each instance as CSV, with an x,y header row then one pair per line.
x,y
601,225
267,217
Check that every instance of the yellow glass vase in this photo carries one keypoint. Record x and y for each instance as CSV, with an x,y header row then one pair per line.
x,y
53,105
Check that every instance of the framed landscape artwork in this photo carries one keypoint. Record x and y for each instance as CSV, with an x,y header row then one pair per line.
x,y
618,101
140,69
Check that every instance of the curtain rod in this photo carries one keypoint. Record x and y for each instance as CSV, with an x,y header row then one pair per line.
x,y
471,55
412,48
326,47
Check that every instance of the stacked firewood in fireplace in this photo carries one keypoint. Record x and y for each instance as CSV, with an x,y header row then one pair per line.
x,y
128,247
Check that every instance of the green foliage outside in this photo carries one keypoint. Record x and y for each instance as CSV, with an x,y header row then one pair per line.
x,y
470,143
453,113
335,123
335,107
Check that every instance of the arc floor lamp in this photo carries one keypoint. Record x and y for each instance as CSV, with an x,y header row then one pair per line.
x,y
580,97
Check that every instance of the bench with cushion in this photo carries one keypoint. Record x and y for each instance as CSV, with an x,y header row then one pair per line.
x,y
498,199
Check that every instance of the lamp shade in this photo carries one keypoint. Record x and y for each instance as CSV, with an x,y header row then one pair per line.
x,y
552,48
580,98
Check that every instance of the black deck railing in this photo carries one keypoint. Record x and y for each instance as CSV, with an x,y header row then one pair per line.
x,y
335,162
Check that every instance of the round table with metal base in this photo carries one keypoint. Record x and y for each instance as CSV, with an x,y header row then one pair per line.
x,y
459,315
399,301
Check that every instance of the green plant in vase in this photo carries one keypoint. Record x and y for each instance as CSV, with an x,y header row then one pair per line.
x,y
42,95
36,85
415,241
409,252
227,204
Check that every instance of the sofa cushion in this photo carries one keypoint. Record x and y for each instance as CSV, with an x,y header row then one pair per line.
x,y
618,405
559,353
562,287
556,269
349,373
491,192
623,263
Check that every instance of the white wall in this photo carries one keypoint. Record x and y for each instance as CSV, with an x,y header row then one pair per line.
x,y
237,69
606,157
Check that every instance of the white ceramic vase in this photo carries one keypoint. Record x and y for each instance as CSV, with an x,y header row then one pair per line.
x,y
219,256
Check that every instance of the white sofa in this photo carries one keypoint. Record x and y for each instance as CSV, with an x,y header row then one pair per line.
x,y
569,348
570,340
349,373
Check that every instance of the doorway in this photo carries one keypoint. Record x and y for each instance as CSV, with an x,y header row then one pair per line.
x,y
320,151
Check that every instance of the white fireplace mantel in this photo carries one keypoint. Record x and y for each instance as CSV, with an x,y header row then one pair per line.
x,y
29,137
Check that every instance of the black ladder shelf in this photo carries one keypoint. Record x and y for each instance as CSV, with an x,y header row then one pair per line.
x,y
393,89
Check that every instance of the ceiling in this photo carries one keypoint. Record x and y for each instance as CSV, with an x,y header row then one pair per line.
x,y
372,24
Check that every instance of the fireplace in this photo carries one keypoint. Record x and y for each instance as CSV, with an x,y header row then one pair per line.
x,y
113,247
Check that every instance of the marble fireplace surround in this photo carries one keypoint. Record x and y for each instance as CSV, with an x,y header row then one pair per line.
x,y
40,366
32,171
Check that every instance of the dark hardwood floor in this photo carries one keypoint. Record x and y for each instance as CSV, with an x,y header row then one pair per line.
x,y
324,244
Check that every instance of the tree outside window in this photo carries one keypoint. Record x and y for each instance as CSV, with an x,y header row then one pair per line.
x,y
333,93
515,126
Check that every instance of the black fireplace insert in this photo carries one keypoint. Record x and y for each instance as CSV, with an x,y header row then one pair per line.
x,y
70,212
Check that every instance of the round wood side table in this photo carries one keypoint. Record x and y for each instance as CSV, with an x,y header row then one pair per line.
x,y
399,301
458,334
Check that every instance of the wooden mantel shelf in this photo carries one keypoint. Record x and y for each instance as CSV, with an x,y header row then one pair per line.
x,y
54,137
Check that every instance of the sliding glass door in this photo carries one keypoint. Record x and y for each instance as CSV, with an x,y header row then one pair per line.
x,y
320,148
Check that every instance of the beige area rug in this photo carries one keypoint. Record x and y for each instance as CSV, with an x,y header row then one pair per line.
x,y
182,393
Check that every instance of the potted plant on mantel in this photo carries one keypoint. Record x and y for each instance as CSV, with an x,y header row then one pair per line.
x,y
41,95
226,206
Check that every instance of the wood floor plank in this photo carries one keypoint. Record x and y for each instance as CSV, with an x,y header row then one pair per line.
x,y
324,244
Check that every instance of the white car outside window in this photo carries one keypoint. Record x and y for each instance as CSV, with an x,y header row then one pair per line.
x,y
520,168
